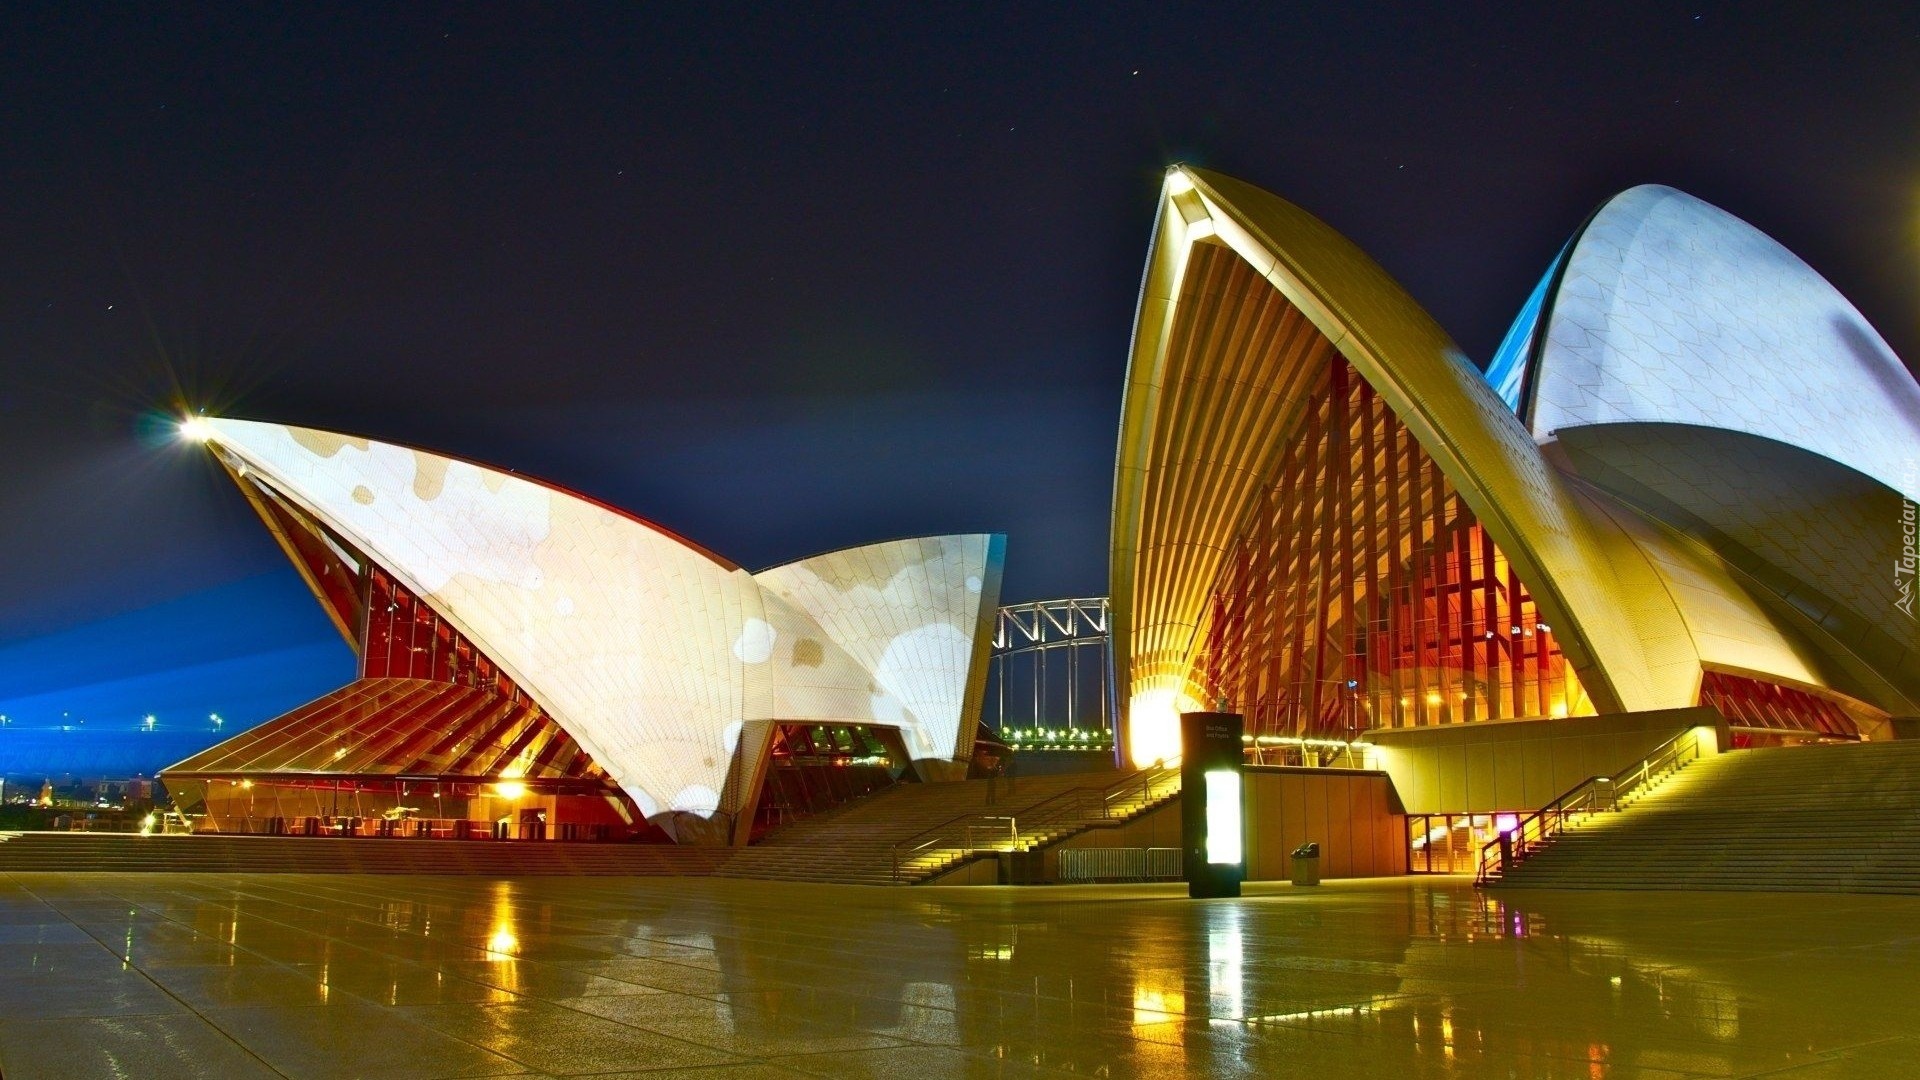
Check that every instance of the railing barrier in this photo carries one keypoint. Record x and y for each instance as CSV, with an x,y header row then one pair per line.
x,y
1119,864
1594,795
972,833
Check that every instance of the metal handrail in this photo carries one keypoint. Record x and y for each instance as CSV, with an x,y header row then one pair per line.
x,y
1107,803
1032,826
1145,779
1595,794
968,828
986,835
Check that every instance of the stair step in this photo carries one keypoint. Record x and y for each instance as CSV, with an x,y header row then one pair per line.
x,y
1818,818
852,844
855,844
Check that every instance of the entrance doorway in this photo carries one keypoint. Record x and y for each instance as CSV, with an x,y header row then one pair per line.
x,y
816,767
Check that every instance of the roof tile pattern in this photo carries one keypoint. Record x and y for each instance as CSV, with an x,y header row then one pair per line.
x,y
912,613
652,653
1672,310
1355,306
1669,310
1817,536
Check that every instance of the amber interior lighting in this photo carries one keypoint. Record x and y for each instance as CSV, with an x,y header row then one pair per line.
x,y
1359,591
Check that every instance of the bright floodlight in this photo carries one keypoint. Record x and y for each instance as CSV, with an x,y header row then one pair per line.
x,y
196,429
1178,182
510,789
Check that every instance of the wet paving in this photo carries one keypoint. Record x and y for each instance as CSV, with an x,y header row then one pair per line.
x,y
237,976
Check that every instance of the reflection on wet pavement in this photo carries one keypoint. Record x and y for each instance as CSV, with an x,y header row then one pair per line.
x,y
259,976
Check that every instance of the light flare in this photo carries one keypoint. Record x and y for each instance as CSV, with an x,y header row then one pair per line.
x,y
1153,719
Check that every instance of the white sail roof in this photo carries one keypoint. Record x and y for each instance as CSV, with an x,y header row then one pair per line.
x,y
652,653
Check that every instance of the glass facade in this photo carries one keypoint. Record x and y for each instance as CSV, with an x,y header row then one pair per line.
x,y
1362,593
403,727
1451,843
1507,371
1756,708
815,767
406,639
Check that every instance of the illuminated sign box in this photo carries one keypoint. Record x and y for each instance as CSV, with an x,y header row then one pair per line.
x,y
1223,818
1212,804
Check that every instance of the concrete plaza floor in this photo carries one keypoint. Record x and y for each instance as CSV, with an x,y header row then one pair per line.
x,y
159,976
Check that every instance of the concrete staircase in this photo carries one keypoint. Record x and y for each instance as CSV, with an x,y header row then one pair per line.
x,y
1826,818
204,853
855,844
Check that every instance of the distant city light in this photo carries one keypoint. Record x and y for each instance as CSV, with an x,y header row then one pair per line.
x,y
1066,738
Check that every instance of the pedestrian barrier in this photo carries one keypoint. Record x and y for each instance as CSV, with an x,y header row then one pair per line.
x,y
1119,864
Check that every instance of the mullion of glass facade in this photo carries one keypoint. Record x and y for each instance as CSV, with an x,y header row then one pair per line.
x,y
308,728
403,727
406,639
1361,592
1452,843
1757,703
310,747
453,751
446,705
334,579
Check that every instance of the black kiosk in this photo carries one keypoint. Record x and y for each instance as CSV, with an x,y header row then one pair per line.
x,y
1211,805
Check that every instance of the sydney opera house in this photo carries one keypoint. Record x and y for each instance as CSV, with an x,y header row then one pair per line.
x,y
1679,497
1685,480
534,662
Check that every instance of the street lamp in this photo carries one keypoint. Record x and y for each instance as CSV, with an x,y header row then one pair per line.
x,y
215,717
149,722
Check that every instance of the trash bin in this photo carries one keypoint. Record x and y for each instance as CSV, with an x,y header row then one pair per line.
x,y
1306,864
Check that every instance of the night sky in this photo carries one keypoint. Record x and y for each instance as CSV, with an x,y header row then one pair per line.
x,y
781,282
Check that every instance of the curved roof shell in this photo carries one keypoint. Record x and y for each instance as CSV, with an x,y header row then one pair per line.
x,y
1192,442
653,654
1814,543
1667,309
1640,609
910,613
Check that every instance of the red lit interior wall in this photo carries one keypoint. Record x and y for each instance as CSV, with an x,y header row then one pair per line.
x,y
1753,703
406,639
1362,593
